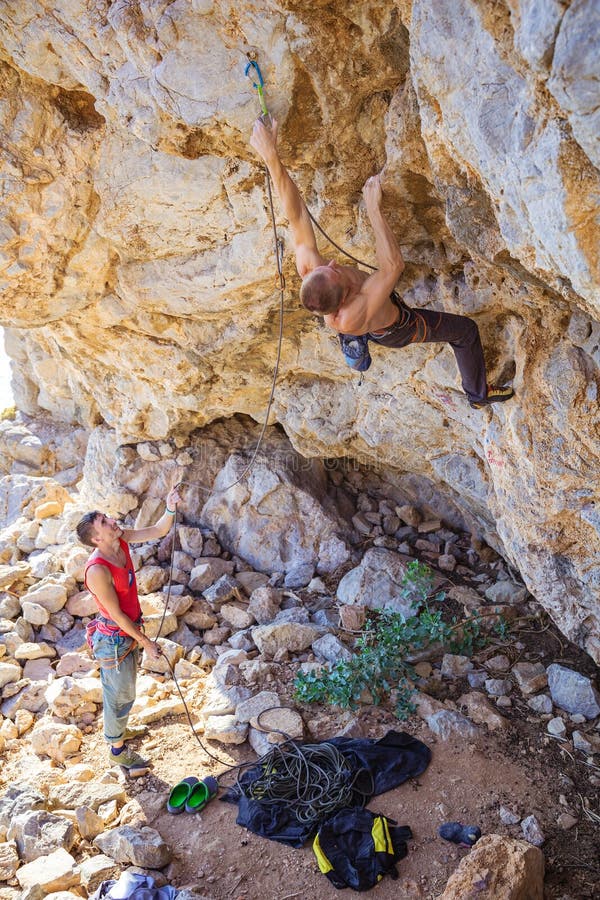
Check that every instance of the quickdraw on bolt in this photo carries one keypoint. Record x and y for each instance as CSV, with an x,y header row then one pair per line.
x,y
259,84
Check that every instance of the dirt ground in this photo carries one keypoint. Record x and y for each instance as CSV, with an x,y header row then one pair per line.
x,y
523,769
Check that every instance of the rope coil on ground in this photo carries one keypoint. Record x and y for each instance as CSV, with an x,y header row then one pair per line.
x,y
313,780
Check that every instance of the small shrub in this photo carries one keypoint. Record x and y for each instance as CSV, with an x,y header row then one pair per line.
x,y
380,667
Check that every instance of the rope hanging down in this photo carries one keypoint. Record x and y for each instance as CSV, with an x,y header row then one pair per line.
x,y
307,805
278,244
252,65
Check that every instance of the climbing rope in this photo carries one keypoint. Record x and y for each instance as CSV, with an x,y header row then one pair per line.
x,y
278,243
337,246
278,248
315,779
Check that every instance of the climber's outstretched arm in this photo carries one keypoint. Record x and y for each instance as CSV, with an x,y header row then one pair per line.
x,y
390,264
264,141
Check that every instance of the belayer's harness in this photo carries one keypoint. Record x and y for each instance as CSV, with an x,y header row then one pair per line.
x,y
111,629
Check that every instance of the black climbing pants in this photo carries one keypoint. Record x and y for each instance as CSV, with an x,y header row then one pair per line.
x,y
426,326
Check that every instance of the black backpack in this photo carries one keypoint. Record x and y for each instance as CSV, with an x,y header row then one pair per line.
x,y
356,848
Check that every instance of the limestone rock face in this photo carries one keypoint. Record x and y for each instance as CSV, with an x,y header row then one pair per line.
x,y
137,264
274,518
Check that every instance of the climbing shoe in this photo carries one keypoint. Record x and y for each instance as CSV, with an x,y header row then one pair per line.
x,y
494,395
135,731
457,833
201,793
131,761
179,795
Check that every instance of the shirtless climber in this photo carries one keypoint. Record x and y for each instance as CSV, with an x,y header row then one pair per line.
x,y
355,303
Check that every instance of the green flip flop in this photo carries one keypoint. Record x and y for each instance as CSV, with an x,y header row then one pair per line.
x,y
201,793
179,795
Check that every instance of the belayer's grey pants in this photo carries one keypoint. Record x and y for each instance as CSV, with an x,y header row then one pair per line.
x,y
117,676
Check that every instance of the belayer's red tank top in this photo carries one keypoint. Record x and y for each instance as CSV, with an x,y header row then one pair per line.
x,y
124,583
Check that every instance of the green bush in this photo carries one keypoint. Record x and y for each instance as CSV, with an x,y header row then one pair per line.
x,y
379,667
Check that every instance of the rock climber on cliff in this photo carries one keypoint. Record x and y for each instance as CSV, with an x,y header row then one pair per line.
x,y
356,304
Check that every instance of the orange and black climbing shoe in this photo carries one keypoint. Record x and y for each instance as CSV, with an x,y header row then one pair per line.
x,y
494,395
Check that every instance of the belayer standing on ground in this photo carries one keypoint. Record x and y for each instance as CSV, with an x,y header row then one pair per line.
x,y
353,302
116,633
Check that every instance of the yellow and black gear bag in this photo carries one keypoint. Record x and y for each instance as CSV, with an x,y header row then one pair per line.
x,y
356,848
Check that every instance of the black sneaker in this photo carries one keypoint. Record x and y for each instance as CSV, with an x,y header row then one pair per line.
x,y
494,395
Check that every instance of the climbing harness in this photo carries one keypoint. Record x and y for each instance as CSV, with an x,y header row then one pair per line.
x,y
104,627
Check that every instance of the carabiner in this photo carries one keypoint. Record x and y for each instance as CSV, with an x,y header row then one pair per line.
x,y
249,65
259,87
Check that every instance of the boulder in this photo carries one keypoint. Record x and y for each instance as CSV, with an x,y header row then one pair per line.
x,y
279,725
498,868
448,724
223,700
95,870
35,614
39,833
82,604
48,594
9,673
329,648
18,799
481,711
541,704
250,581
31,697
573,692
531,677
225,729
178,604
191,540
76,663
207,572
55,872
264,604
275,519
455,666
69,696
149,710
138,846
237,616
378,583
200,615
156,624
91,793
9,860
170,655
284,636
254,706
32,650
151,578
224,589
55,740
